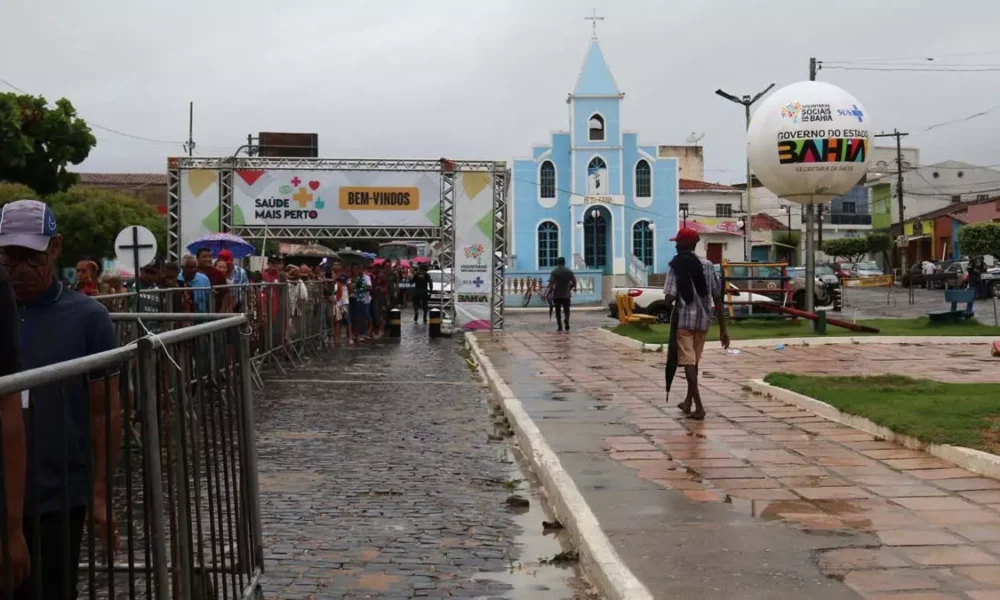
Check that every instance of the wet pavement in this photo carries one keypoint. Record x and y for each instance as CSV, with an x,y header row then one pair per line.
x,y
761,500
382,475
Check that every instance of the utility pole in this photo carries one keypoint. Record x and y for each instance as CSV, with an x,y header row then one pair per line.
x,y
899,184
747,101
814,66
189,146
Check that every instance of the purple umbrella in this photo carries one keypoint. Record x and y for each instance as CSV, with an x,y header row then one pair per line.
x,y
217,242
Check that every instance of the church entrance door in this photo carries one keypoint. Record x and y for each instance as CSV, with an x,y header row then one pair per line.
x,y
596,246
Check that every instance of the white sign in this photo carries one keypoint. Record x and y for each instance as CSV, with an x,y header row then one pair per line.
x,y
135,242
474,254
598,199
810,142
336,198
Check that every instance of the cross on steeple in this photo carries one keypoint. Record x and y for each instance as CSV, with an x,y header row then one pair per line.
x,y
594,19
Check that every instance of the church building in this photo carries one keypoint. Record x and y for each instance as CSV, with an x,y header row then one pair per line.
x,y
594,194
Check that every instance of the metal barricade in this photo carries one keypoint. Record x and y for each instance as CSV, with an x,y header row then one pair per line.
x,y
170,442
285,326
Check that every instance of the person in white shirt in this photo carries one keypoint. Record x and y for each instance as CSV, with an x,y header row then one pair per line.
x,y
928,268
297,297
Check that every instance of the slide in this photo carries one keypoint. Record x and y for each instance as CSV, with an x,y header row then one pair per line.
x,y
812,317
996,348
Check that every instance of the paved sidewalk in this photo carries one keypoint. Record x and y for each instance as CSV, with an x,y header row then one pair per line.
x,y
761,500
378,480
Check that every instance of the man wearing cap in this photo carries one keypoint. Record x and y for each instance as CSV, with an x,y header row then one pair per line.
x,y
237,276
70,415
694,286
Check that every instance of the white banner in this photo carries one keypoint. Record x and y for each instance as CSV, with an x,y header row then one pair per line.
x,y
336,198
473,248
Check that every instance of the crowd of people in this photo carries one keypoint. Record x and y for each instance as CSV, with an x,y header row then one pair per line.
x,y
356,297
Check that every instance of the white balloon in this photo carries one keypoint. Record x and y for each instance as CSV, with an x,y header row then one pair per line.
x,y
809,142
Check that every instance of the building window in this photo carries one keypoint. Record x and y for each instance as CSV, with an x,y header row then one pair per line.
x,y
849,207
595,240
597,174
982,196
683,206
596,128
956,198
724,210
548,244
643,180
642,242
547,179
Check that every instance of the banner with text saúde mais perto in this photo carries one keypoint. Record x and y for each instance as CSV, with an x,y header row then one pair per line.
x,y
290,198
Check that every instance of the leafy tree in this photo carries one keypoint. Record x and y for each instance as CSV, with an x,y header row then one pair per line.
x,y
789,245
9,192
850,249
90,219
880,244
37,141
980,239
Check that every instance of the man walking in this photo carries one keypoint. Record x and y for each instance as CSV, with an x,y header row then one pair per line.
x,y
562,282
693,284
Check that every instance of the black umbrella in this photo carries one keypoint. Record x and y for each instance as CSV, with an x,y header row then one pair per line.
x,y
671,367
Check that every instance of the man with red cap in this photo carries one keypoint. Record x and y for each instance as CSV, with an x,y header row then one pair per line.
x,y
694,286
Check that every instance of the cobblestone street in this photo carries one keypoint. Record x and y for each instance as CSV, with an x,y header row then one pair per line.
x,y
378,480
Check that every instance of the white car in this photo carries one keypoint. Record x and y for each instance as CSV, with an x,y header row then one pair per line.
x,y
438,287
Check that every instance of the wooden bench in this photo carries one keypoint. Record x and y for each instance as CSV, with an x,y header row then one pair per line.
x,y
626,305
954,315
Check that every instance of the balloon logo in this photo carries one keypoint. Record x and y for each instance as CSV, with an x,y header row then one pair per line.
x,y
810,142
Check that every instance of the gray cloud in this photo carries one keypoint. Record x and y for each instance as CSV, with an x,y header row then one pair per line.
x,y
482,79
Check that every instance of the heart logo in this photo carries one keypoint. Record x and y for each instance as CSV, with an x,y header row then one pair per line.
x,y
199,180
314,185
249,176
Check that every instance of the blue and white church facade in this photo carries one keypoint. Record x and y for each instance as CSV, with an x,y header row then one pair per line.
x,y
594,195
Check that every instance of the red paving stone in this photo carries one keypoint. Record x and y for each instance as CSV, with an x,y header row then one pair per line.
x,y
939,525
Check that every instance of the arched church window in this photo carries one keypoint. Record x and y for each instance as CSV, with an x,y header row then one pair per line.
x,y
596,128
547,179
548,244
643,180
597,175
642,242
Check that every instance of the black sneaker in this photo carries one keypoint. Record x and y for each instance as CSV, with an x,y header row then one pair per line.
x,y
559,330
567,327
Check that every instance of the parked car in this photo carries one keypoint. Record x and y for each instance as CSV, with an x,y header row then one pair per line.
x,y
868,268
826,282
769,280
438,288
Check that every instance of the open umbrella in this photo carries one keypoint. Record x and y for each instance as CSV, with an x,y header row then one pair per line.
x,y
377,262
217,242
419,260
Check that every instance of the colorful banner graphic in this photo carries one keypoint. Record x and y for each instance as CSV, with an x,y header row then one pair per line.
x,y
473,248
881,206
336,198
199,205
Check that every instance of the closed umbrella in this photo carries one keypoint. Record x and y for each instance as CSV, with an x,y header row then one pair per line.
x,y
670,368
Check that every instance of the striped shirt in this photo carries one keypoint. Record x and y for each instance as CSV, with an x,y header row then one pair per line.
x,y
697,315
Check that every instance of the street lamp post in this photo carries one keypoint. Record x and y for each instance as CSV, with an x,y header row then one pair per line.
x,y
747,102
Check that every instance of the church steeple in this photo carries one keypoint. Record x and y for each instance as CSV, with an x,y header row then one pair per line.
x,y
595,77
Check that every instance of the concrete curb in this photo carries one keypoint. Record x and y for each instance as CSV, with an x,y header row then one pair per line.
x,y
544,309
896,340
976,461
612,577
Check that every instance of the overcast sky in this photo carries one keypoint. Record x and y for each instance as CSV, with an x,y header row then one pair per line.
x,y
486,78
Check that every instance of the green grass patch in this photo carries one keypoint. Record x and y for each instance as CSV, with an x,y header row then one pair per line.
x,y
753,329
961,414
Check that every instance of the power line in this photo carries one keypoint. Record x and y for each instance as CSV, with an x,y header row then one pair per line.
x,y
920,58
913,69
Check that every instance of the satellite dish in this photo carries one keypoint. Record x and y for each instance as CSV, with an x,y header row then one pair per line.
x,y
694,138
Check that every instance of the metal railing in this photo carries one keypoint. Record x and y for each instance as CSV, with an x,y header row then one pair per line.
x,y
158,433
284,325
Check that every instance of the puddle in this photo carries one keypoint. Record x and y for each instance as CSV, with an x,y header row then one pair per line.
x,y
539,573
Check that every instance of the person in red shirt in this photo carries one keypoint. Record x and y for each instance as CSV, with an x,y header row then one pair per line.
x,y
86,278
207,266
